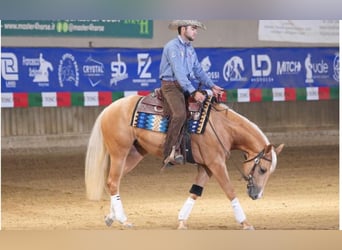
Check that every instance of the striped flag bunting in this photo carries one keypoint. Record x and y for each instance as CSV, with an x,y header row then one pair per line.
x,y
282,94
67,99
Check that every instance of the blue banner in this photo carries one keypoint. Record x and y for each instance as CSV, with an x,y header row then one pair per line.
x,y
118,69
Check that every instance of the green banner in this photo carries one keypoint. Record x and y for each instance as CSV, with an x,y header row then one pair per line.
x,y
79,28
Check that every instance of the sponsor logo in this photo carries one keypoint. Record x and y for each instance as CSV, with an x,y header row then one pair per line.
x,y
145,76
119,71
9,69
315,70
336,65
39,69
68,72
144,62
261,65
288,67
93,70
206,65
233,68
261,68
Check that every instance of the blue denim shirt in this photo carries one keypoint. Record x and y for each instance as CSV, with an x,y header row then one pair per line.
x,y
179,62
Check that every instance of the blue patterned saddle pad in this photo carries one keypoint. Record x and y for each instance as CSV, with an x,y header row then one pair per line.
x,y
149,114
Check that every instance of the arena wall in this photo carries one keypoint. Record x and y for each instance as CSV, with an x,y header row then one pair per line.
x,y
63,126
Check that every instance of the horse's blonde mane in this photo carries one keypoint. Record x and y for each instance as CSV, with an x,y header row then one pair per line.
x,y
233,115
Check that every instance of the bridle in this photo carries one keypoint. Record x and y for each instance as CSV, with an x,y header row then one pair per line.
x,y
256,159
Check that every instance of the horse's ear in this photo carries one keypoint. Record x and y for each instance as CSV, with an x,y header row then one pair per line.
x,y
279,148
268,148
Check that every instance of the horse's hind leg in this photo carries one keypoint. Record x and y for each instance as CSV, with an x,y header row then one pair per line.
x,y
117,171
113,182
135,155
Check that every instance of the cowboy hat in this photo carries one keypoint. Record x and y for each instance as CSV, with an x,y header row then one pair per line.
x,y
179,23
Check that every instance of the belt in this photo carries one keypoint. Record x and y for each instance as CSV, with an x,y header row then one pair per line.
x,y
170,82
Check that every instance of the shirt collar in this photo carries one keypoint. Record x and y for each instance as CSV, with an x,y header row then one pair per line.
x,y
183,42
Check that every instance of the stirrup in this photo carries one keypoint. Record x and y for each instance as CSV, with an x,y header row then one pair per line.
x,y
173,159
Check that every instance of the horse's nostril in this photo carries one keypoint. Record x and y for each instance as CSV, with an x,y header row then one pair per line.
x,y
253,192
253,196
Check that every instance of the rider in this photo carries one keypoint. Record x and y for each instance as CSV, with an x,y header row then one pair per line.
x,y
179,66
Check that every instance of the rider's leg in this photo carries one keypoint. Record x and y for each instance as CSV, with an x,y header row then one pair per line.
x,y
175,107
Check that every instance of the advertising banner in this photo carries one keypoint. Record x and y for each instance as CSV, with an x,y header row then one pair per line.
x,y
79,28
75,76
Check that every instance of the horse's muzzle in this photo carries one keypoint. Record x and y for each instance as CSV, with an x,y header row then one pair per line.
x,y
254,192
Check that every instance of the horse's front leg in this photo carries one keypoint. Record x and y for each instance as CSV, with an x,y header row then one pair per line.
x,y
221,174
203,176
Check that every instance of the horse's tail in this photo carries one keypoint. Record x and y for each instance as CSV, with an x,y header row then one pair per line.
x,y
96,162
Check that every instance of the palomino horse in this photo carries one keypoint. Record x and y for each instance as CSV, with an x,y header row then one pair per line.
x,y
115,148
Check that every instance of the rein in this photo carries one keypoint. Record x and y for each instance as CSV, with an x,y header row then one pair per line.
x,y
227,152
256,159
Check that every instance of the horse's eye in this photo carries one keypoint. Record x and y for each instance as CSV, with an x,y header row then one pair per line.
x,y
262,170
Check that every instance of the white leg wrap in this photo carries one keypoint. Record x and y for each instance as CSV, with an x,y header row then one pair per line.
x,y
238,211
117,208
184,213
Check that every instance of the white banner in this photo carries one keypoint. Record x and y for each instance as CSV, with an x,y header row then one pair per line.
x,y
305,31
91,98
7,100
49,99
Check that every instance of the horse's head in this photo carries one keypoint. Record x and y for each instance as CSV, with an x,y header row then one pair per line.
x,y
259,168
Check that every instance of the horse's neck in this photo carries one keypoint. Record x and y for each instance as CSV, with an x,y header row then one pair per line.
x,y
246,135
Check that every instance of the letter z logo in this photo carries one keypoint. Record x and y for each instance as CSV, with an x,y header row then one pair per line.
x,y
144,62
9,67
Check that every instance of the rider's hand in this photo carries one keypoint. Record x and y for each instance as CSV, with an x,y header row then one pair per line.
x,y
217,90
199,97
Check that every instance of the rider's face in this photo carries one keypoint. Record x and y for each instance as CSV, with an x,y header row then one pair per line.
x,y
190,33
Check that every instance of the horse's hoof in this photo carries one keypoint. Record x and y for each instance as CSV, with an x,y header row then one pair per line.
x,y
127,225
182,226
108,220
249,227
